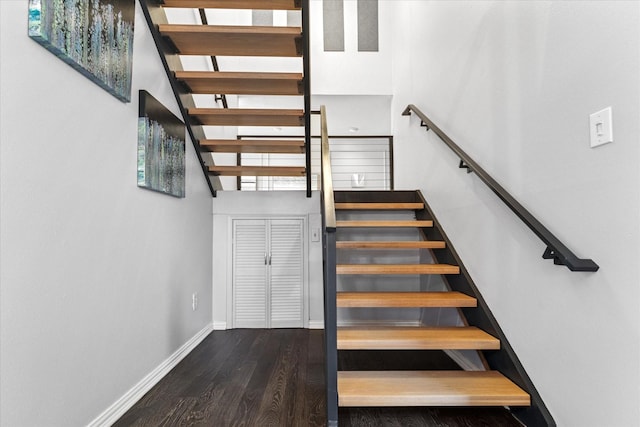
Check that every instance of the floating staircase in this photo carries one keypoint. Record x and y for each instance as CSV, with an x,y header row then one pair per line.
x,y
213,41
392,255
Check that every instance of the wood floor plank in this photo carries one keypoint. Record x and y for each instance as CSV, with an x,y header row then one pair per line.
x,y
295,407
397,269
415,338
414,244
315,407
182,411
428,388
295,378
274,400
224,395
404,299
264,351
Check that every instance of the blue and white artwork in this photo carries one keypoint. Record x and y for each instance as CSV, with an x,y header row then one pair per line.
x,y
93,36
161,148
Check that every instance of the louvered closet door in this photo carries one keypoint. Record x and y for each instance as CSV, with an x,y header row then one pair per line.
x,y
286,273
250,289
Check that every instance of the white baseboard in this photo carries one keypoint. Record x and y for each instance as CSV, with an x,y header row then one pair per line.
x,y
122,405
219,326
316,324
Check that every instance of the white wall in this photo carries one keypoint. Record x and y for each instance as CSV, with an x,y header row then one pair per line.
x,y
97,274
351,72
263,204
514,83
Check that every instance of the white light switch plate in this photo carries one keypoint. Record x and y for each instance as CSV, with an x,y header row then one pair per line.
x,y
601,127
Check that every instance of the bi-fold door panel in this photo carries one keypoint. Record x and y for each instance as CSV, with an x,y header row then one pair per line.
x,y
286,273
249,274
268,273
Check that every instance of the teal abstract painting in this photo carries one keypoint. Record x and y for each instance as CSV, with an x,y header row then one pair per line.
x,y
93,36
161,148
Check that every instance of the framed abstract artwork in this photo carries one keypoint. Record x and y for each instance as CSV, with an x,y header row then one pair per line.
x,y
93,36
161,148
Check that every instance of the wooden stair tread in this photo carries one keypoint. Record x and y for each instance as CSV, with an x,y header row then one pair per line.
x,y
247,117
412,244
252,146
241,83
235,40
428,388
415,338
397,269
404,299
389,223
234,4
257,170
378,206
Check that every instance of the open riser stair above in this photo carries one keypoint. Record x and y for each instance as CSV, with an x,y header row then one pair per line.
x,y
233,40
399,288
241,83
209,125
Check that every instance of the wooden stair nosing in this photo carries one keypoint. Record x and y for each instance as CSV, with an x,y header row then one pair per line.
x,y
408,244
391,269
388,223
234,4
257,171
452,299
415,338
428,388
379,206
247,116
241,83
252,146
233,40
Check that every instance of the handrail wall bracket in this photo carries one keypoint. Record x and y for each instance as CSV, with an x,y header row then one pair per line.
x,y
463,165
556,250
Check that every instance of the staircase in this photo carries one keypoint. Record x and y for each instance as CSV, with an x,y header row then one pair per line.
x,y
401,287
213,41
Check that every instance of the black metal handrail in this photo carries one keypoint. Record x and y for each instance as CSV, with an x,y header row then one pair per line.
x,y
329,277
556,250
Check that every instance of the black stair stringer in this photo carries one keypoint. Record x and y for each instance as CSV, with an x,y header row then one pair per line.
x,y
154,15
504,360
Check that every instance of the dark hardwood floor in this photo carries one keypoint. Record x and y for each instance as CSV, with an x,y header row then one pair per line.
x,y
257,377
